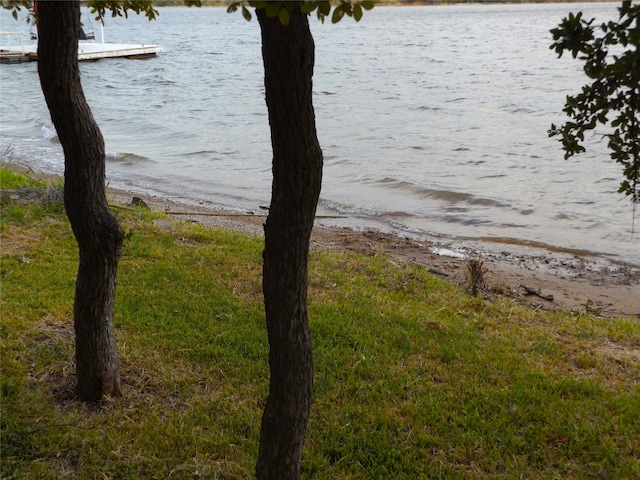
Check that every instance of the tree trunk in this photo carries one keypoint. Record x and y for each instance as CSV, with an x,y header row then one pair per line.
x,y
288,55
97,232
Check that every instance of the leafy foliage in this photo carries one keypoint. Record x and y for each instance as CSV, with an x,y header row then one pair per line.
x,y
612,60
117,8
282,9
16,6
121,8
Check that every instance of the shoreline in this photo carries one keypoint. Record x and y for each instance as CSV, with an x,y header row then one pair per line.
x,y
542,277
537,275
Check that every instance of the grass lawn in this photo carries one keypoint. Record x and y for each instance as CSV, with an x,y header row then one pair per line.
x,y
414,379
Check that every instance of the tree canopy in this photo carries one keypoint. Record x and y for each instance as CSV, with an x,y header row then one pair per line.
x,y
273,8
283,9
611,57
117,8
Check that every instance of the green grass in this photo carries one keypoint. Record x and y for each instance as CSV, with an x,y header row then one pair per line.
x,y
11,180
413,378
12,213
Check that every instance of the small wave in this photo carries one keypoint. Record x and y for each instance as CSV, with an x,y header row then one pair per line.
x,y
492,176
398,214
426,108
364,211
125,158
351,210
49,133
202,153
476,162
448,196
469,221
522,110
606,180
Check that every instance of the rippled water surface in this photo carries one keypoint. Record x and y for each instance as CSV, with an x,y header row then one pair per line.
x,y
432,120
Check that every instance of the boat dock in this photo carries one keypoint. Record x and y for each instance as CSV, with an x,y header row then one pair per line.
x,y
10,53
87,51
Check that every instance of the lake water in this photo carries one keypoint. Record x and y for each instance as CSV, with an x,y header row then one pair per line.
x,y
432,120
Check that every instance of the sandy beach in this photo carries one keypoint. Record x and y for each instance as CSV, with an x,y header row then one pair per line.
x,y
539,277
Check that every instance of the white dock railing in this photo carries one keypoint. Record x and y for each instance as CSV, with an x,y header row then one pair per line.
x,y
9,46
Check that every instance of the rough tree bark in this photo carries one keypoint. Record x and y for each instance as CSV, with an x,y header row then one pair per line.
x,y
97,232
288,55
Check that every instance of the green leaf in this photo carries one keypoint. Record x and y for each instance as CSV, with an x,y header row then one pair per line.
x,y
357,12
325,7
308,7
273,9
258,3
367,4
246,13
338,13
284,16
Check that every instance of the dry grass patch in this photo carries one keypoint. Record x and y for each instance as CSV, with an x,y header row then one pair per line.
x,y
15,240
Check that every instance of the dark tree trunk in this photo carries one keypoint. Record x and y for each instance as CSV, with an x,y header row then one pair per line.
x,y
97,232
288,55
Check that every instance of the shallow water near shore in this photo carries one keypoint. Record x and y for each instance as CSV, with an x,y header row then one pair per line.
x,y
432,120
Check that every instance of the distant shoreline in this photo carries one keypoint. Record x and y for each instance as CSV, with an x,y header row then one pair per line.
x,y
403,3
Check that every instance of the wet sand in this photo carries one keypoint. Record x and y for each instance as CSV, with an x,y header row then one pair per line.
x,y
539,277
